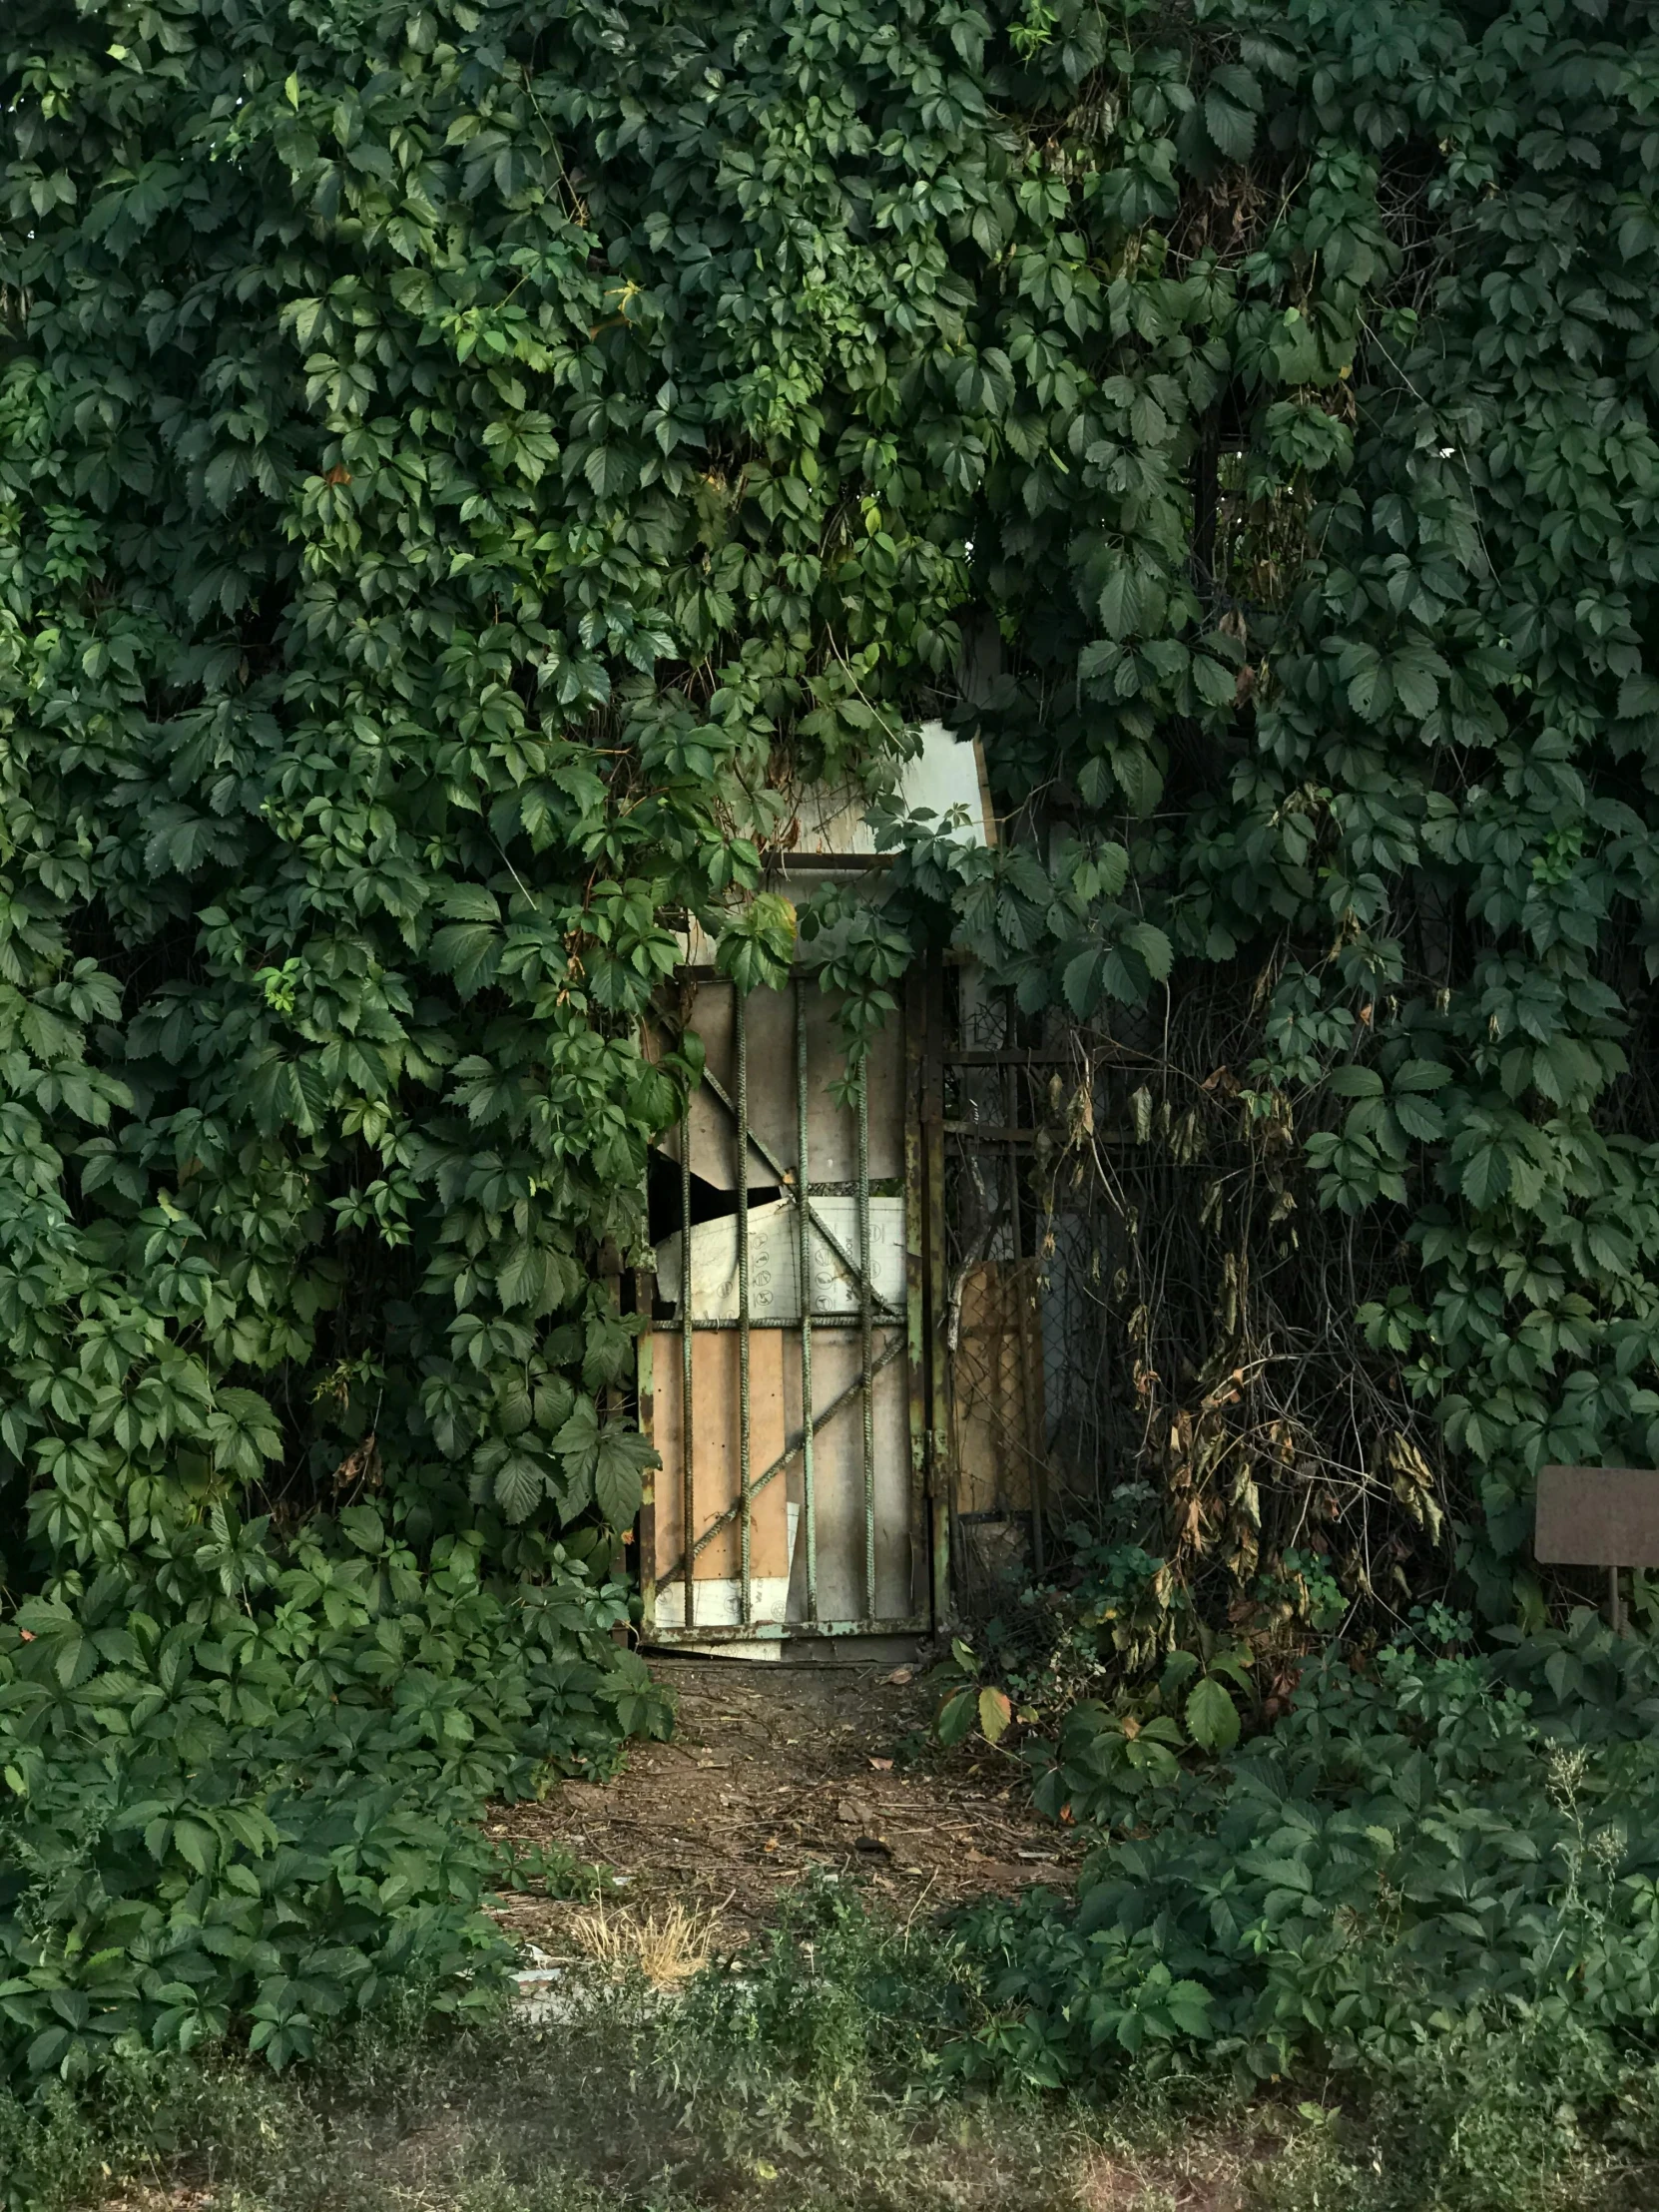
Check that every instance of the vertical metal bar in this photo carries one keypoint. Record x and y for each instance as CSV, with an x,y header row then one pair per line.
x,y
687,1486
1010,1121
645,1387
803,1189
915,1309
942,1475
1036,1423
866,1380
743,1515
1016,1112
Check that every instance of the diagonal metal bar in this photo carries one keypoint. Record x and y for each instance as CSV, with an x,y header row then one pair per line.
x,y
790,1451
793,1184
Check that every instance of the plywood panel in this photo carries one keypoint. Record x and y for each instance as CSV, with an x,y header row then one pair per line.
x,y
832,1128
716,1454
838,1477
714,1130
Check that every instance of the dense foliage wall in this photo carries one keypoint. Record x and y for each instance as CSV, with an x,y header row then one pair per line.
x,y
458,458
459,461
1318,519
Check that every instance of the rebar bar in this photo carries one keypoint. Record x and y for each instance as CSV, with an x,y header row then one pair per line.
x,y
804,1187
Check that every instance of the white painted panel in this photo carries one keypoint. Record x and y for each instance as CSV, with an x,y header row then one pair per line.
x,y
947,772
774,1262
718,1602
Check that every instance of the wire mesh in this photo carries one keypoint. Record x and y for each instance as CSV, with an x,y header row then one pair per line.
x,y
1118,1205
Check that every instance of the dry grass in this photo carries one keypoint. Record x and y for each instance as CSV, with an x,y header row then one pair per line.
x,y
179,2199
665,1948
1205,2176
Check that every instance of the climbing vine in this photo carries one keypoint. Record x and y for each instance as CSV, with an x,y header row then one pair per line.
x,y
461,465
1328,593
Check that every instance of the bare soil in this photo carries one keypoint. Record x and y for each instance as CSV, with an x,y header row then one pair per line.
x,y
776,1769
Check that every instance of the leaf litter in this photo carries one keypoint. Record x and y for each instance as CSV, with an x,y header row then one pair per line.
x,y
774,1772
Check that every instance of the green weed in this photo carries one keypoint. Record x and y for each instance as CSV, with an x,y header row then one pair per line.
x,y
806,2075
244,1827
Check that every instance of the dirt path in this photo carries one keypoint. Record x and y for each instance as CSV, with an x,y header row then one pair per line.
x,y
777,1769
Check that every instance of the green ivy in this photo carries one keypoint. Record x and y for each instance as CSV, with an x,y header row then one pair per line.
x,y
462,462
422,515
1456,1840
242,1790
1323,540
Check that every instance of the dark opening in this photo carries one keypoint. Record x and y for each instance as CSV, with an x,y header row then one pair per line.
x,y
707,1201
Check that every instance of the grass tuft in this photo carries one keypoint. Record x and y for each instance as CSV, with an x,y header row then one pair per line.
x,y
666,1950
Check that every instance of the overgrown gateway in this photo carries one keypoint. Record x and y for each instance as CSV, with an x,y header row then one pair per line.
x,y
461,468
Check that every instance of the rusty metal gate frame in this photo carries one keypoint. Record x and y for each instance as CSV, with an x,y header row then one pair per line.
x,y
1011,1143
924,1228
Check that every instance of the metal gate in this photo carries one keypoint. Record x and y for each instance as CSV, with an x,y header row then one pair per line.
x,y
783,1376
1002,1301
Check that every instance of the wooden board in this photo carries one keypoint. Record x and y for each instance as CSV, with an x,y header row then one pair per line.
x,y
774,1112
1598,1516
716,1457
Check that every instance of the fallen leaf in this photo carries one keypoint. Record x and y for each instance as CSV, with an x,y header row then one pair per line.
x,y
902,1675
883,1766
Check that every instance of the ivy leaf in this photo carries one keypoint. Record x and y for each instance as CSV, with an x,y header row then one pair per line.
x,y
621,1461
995,1712
1416,680
607,1352
1232,128
1371,689
1153,947
1211,1717
610,471
956,1716
196,1845
1120,600
1082,980
1216,684
577,1444
1486,1175
471,952
469,902
520,1483
1417,1117
518,1274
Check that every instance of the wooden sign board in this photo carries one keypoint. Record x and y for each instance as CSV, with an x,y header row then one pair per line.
x,y
1598,1516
